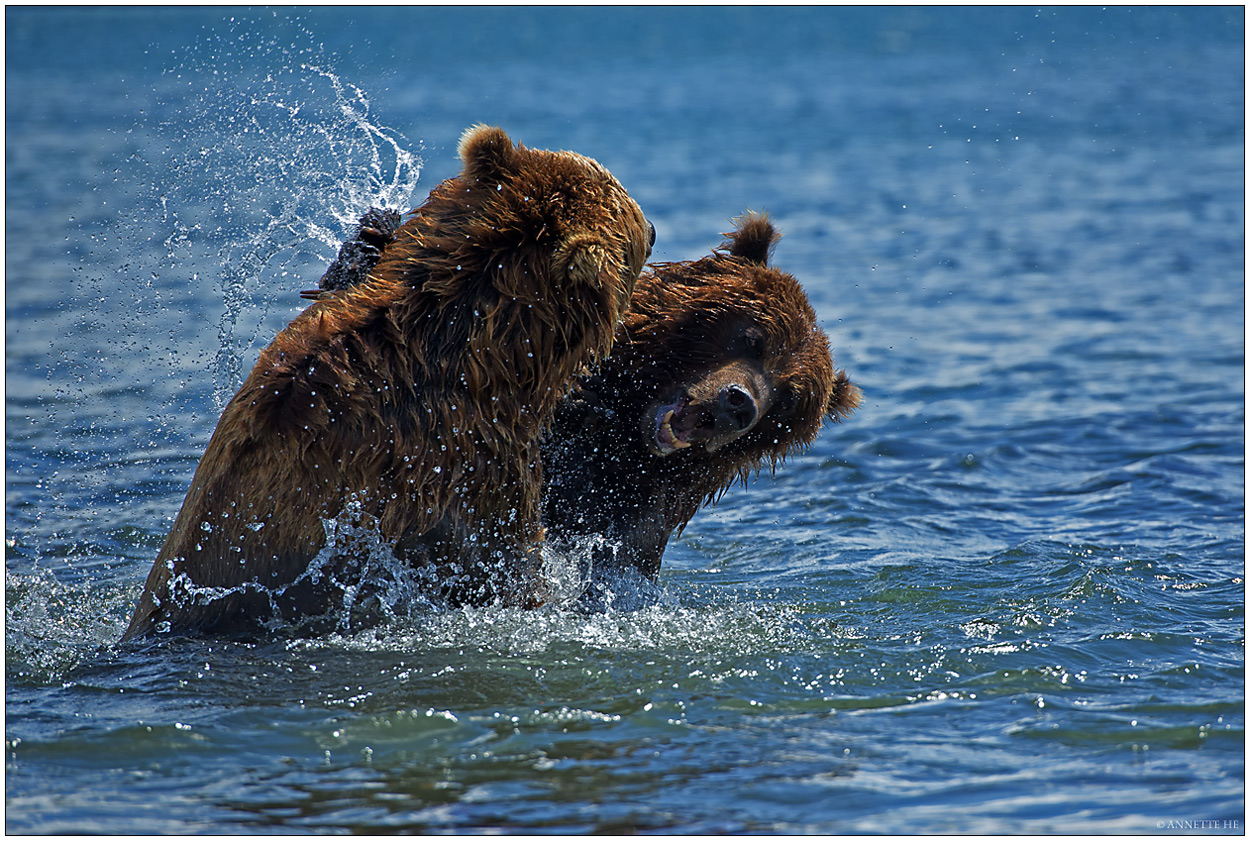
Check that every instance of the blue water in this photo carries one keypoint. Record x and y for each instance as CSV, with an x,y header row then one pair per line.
x,y
1007,595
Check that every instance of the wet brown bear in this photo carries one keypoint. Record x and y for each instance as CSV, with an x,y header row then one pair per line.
x,y
636,449
410,405
718,370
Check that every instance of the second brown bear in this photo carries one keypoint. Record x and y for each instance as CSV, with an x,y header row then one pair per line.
x,y
719,369
410,405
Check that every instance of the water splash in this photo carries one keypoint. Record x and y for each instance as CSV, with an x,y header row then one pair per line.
x,y
264,176
51,627
232,187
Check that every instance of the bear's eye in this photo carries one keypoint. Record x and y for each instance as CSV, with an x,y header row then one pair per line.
x,y
786,401
651,244
753,341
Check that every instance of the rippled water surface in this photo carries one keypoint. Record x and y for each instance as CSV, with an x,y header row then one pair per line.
x,y
1005,596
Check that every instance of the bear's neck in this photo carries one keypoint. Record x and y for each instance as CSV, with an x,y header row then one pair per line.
x,y
602,480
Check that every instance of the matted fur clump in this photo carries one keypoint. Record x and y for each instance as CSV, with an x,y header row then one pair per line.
x,y
411,403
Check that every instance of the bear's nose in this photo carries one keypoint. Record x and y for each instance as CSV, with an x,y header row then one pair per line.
x,y
738,406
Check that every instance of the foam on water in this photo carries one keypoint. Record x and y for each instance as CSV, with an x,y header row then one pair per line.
x,y
379,603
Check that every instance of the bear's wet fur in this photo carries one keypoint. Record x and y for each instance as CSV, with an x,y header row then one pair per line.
x,y
410,404
359,254
719,369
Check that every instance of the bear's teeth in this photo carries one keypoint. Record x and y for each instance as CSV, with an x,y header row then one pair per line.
x,y
665,435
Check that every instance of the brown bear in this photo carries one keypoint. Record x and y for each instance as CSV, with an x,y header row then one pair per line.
x,y
636,449
410,405
719,369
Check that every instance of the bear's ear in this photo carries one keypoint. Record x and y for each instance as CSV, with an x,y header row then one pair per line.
x,y
753,238
583,257
844,398
487,153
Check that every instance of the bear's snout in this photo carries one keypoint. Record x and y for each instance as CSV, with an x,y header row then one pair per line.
x,y
727,403
738,410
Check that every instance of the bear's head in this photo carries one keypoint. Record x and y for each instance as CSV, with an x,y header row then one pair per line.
x,y
561,204
723,359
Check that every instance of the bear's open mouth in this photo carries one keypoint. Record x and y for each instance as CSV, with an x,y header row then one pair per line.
x,y
667,440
